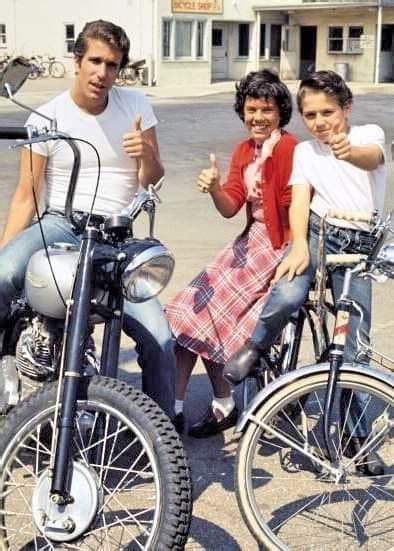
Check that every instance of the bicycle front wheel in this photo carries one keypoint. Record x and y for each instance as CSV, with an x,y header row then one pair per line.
x,y
57,69
290,495
129,480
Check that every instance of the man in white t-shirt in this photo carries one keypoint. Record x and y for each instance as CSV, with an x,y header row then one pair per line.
x,y
120,124
342,167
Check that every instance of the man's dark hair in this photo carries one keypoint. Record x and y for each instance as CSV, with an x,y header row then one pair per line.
x,y
107,32
328,82
264,84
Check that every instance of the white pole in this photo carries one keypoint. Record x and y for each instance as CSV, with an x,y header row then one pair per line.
x,y
378,41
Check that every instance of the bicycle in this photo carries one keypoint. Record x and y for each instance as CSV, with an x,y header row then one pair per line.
x,y
4,61
39,67
132,74
56,68
309,435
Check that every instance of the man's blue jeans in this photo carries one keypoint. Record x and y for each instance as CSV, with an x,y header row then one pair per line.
x,y
287,297
144,322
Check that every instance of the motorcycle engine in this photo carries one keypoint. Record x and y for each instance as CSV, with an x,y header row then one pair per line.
x,y
38,349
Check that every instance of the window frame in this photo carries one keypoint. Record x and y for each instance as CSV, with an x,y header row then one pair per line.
x,y
3,34
245,26
350,45
68,41
279,41
198,39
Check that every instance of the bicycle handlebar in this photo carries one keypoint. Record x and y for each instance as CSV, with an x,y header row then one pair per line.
x,y
14,133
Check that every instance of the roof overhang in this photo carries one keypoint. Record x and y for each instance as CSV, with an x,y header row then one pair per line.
x,y
286,6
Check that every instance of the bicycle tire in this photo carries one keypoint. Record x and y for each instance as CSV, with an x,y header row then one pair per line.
x,y
272,475
45,69
57,69
34,73
139,450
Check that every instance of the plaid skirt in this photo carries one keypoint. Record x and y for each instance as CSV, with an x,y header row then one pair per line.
x,y
218,310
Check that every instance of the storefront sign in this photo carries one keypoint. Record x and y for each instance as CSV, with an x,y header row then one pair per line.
x,y
197,6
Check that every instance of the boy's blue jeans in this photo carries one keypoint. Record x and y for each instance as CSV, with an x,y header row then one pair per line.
x,y
287,297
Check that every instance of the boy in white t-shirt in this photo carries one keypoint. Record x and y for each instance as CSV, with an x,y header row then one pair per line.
x,y
342,167
120,124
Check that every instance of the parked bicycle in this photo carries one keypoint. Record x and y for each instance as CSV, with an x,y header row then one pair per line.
x,y
310,437
133,74
88,462
43,68
4,61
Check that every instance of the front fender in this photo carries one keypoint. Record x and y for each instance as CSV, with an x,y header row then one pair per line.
x,y
299,374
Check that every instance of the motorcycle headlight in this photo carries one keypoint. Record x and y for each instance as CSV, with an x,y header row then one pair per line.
x,y
147,274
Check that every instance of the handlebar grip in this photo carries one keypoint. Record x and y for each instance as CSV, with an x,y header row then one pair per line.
x,y
14,133
344,259
354,216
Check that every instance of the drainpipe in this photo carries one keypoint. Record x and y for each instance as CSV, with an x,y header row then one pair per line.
x,y
257,42
154,59
378,41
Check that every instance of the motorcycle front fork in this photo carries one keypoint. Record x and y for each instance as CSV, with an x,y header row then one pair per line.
x,y
72,361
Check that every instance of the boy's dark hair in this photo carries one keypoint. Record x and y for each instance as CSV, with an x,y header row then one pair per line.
x,y
107,32
328,82
267,85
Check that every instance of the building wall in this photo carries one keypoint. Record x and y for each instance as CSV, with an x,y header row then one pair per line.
x,y
35,27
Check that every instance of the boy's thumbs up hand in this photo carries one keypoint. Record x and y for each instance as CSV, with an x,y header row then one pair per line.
x,y
133,142
209,177
340,145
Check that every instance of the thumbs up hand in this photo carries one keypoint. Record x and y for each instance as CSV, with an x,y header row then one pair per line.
x,y
340,145
209,177
133,142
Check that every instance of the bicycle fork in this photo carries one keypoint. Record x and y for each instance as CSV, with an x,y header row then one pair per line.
x,y
341,331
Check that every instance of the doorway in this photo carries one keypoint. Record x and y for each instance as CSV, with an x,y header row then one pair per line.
x,y
307,51
219,51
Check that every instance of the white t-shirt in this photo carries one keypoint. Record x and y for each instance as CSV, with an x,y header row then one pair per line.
x,y
118,180
339,184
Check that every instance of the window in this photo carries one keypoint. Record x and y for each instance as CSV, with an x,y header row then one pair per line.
x,y
354,39
345,39
217,37
335,39
3,36
166,38
70,38
243,39
387,38
200,38
183,38
262,40
276,31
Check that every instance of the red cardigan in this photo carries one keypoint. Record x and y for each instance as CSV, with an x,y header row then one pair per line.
x,y
276,191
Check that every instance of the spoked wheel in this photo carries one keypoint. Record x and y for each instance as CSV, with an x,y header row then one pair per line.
x,y
291,496
45,69
34,73
57,69
129,479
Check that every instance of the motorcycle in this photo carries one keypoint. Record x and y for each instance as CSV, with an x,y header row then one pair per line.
x,y
86,461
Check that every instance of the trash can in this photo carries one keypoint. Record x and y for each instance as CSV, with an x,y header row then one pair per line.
x,y
343,70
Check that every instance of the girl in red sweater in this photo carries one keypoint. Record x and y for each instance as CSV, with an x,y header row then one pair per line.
x,y
214,315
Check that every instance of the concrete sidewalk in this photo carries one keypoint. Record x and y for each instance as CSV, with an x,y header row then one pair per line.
x,y
36,92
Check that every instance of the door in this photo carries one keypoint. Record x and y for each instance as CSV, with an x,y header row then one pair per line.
x,y
219,52
308,51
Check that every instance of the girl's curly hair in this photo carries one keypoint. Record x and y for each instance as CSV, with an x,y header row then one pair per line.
x,y
264,84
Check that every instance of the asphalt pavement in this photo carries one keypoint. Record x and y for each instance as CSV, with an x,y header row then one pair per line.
x,y
192,123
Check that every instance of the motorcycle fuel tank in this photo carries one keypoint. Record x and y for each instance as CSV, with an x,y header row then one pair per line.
x,y
41,292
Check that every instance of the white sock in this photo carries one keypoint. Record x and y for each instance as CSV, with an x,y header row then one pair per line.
x,y
178,406
224,405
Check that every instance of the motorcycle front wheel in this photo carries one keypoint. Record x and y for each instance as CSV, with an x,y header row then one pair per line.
x,y
129,479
